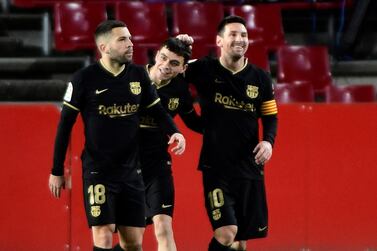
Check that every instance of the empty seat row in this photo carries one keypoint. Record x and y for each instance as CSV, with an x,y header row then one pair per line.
x,y
75,23
302,68
303,92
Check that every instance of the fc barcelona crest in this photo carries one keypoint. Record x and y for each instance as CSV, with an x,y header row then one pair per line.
x,y
252,91
135,88
216,214
95,211
173,103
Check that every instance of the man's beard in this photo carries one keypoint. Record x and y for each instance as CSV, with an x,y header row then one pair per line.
x,y
120,58
236,57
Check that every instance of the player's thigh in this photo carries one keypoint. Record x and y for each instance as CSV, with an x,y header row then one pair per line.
x,y
219,200
99,201
130,208
131,235
160,196
252,210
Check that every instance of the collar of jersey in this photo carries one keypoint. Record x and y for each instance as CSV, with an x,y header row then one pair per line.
x,y
111,72
158,86
235,72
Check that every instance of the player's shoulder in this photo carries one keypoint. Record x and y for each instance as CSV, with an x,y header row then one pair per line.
x,y
207,60
136,68
261,73
88,69
85,73
179,83
202,65
179,79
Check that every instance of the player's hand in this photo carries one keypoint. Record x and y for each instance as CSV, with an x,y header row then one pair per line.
x,y
263,152
181,143
56,183
185,38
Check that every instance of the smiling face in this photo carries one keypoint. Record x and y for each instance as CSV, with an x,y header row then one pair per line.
x,y
233,41
168,64
117,46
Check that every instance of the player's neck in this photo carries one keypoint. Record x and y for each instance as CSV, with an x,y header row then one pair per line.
x,y
113,67
232,64
153,76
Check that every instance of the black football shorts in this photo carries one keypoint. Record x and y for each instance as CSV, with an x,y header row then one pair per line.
x,y
240,202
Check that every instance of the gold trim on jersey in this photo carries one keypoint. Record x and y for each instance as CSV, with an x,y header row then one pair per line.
x,y
147,126
71,106
189,111
110,71
235,72
158,85
269,107
154,102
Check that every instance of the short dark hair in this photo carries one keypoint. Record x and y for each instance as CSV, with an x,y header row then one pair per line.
x,y
178,47
229,20
106,26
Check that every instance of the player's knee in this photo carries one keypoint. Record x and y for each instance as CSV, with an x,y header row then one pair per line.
x,y
239,245
102,236
163,229
226,235
133,246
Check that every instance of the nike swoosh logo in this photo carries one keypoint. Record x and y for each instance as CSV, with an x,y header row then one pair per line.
x,y
218,81
100,91
262,229
166,206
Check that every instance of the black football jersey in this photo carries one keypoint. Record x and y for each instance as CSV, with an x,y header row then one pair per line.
x,y
176,99
231,104
109,106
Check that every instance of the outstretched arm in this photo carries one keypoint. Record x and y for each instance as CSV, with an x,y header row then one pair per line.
x,y
56,180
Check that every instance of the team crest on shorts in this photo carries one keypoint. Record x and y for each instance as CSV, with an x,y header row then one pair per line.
x,y
252,91
173,103
95,211
135,88
216,214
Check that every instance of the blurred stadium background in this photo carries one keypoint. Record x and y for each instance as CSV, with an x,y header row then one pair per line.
x,y
322,56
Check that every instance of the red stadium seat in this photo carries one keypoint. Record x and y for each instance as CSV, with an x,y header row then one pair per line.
x,y
290,93
263,23
304,64
350,94
200,21
258,55
35,3
75,24
147,22
140,55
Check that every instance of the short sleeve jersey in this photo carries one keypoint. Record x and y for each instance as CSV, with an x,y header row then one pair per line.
x,y
231,103
176,99
109,106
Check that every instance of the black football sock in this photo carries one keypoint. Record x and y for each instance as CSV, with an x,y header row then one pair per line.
x,y
117,248
214,245
101,249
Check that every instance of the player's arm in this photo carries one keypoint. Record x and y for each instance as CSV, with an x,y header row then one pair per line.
x,y
67,119
68,115
189,115
192,120
151,101
166,123
268,111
